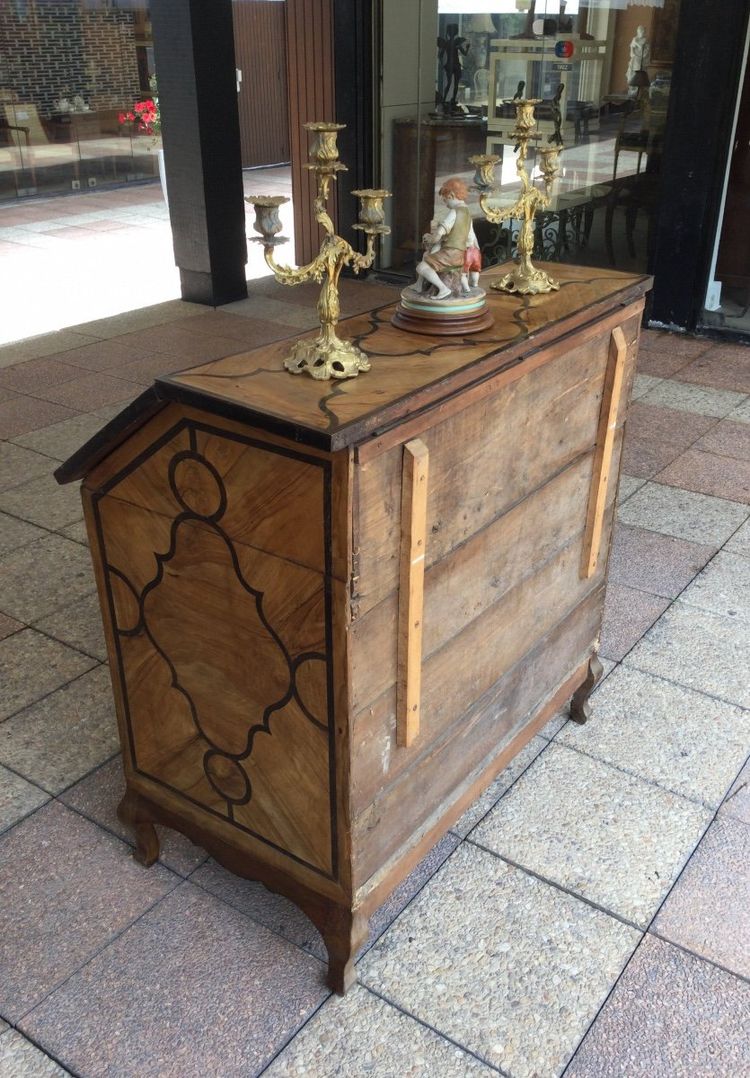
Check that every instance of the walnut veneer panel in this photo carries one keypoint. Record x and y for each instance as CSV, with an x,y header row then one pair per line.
x,y
222,646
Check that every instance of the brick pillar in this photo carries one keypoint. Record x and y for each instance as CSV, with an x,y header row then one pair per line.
x,y
195,66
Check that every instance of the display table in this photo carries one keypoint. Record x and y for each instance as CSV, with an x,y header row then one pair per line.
x,y
334,611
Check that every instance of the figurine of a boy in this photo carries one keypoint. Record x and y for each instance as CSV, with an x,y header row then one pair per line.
x,y
451,247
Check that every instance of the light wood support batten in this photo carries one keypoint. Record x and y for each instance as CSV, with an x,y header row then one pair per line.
x,y
605,440
411,593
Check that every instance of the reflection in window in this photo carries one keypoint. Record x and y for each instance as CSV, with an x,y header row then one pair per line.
x,y
609,62
68,68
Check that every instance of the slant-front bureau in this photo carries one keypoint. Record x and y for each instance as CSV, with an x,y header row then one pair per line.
x,y
335,611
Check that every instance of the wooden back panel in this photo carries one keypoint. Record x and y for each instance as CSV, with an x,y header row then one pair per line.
x,y
511,477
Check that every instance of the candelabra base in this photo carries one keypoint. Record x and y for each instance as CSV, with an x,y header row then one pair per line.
x,y
327,357
526,281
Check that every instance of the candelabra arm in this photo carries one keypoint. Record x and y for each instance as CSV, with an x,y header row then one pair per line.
x,y
361,262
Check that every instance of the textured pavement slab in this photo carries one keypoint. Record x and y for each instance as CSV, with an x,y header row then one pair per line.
x,y
17,798
723,586
56,741
628,613
42,577
363,1035
500,962
708,912
596,831
683,514
737,801
66,889
699,649
19,1058
31,666
653,562
192,988
670,1016
496,789
97,797
682,740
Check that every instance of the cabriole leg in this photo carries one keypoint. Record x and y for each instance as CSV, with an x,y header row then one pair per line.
x,y
580,704
132,813
345,932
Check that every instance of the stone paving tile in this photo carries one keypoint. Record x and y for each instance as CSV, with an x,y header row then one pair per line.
x,y
19,465
682,740
501,963
362,1034
642,383
654,562
19,1058
266,308
723,586
21,414
629,484
707,473
720,368
16,533
47,344
740,541
8,626
627,615
145,371
62,737
98,795
79,625
645,459
248,332
66,889
708,911
606,838
674,344
691,398
89,392
670,1016
17,799
282,916
104,355
727,438
61,440
496,789
43,501
741,414
699,649
737,801
221,994
129,321
683,514
188,346
36,375
77,532
649,424
660,362
32,666
40,578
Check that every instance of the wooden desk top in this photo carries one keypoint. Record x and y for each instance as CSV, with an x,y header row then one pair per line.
x,y
410,372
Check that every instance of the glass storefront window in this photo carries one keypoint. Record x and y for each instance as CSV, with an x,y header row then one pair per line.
x,y
449,72
68,69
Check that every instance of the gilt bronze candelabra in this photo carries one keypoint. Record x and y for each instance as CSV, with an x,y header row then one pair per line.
x,y
524,278
325,356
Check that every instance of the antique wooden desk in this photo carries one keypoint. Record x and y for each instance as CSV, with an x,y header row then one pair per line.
x,y
334,611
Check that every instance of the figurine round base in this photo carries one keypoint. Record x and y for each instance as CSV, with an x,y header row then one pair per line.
x,y
324,359
457,315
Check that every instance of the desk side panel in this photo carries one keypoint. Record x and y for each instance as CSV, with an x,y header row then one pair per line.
x,y
214,556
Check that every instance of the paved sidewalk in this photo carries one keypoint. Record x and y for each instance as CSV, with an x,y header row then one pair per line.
x,y
590,914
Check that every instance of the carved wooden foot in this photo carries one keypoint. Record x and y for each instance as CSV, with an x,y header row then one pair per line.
x,y
580,705
345,932
133,814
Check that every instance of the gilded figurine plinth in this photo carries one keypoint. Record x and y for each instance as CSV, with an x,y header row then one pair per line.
x,y
524,278
325,356
446,298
